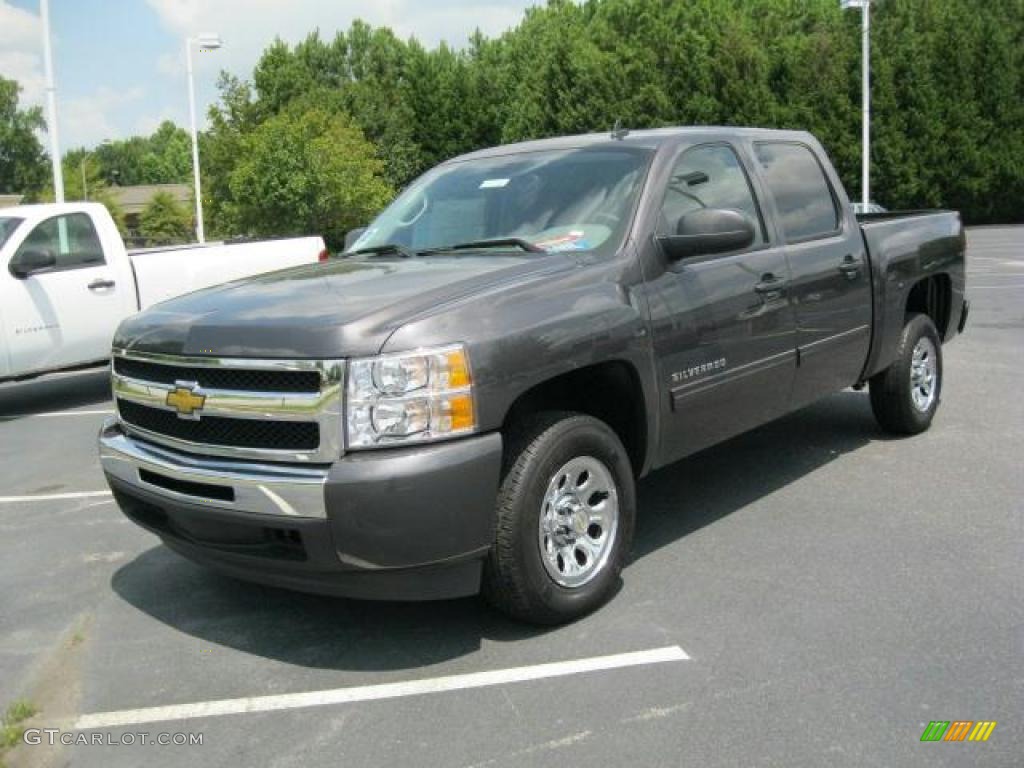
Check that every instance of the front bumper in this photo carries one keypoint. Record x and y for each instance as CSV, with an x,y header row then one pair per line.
x,y
406,524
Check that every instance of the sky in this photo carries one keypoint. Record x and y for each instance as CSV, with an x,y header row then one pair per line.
x,y
119,65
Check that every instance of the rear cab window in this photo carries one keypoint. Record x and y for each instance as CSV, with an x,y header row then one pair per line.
x,y
804,198
8,224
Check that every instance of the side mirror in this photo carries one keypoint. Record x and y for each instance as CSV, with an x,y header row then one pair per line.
x,y
29,262
352,236
707,231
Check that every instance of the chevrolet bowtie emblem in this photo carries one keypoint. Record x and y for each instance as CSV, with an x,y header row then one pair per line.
x,y
186,400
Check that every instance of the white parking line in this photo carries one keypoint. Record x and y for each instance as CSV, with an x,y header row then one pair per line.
x,y
377,692
53,497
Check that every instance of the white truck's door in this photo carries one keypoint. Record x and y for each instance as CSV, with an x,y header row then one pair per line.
x,y
62,299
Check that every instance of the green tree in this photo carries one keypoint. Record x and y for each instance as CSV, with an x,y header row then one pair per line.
x,y
365,71
104,195
947,84
164,222
168,158
219,150
164,157
22,160
307,170
74,162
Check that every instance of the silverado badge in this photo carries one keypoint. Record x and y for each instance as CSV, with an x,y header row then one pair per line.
x,y
186,400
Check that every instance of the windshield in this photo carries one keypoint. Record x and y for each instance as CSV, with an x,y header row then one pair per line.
x,y
565,200
7,226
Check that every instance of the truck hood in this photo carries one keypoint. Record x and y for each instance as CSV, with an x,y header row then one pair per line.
x,y
345,308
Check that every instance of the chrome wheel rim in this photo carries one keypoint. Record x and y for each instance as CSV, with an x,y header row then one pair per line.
x,y
579,520
924,374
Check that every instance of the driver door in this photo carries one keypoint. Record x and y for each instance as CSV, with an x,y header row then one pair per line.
x,y
724,329
65,310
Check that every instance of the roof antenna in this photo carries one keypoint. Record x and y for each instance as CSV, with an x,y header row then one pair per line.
x,y
618,132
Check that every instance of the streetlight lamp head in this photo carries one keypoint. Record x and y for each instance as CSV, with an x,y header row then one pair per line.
x,y
209,41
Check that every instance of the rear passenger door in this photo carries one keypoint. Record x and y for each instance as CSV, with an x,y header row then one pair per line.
x,y
723,326
830,282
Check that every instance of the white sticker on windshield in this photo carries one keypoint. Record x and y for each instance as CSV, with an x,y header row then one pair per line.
x,y
493,183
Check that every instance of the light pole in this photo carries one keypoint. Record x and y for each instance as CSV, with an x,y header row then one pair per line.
x,y
208,42
86,156
865,54
51,104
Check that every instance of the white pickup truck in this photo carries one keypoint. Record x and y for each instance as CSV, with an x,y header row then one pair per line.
x,y
66,281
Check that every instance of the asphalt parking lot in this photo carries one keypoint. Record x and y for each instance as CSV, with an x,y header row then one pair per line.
x,y
823,592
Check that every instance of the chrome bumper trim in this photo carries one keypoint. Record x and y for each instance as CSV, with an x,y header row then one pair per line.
x,y
258,488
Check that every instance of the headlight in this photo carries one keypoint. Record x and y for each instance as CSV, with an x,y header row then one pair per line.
x,y
410,397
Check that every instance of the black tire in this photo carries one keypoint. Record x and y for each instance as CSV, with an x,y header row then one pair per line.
x,y
891,397
516,581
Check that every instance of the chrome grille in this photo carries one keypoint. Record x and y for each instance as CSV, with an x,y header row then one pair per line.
x,y
220,378
251,409
216,430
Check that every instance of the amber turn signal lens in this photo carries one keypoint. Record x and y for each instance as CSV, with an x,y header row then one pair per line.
x,y
458,369
462,412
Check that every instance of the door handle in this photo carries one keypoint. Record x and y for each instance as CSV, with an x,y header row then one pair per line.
x,y
850,267
769,283
100,284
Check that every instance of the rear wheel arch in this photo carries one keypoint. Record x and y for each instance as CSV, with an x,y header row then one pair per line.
x,y
906,395
932,296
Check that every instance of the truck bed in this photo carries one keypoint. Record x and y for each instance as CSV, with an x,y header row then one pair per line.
x,y
904,246
191,267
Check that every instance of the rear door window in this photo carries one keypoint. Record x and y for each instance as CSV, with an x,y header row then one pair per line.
x,y
803,197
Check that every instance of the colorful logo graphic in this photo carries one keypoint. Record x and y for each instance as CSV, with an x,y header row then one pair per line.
x,y
958,730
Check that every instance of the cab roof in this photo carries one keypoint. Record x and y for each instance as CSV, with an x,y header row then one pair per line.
x,y
652,138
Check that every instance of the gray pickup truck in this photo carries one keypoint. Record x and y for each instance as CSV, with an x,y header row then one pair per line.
x,y
465,400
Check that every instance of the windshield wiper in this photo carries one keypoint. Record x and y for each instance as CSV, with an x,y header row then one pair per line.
x,y
380,250
398,249
497,242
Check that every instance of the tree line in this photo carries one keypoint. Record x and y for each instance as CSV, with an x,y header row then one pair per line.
x,y
325,131
161,158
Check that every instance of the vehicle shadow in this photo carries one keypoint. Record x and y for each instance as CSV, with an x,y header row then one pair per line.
x,y
308,630
695,492
331,633
58,392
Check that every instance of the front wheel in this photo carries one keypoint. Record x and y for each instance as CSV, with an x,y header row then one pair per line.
x,y
566,510
905,396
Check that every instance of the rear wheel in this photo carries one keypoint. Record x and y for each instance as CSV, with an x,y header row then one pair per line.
x,y
905,396
565,512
